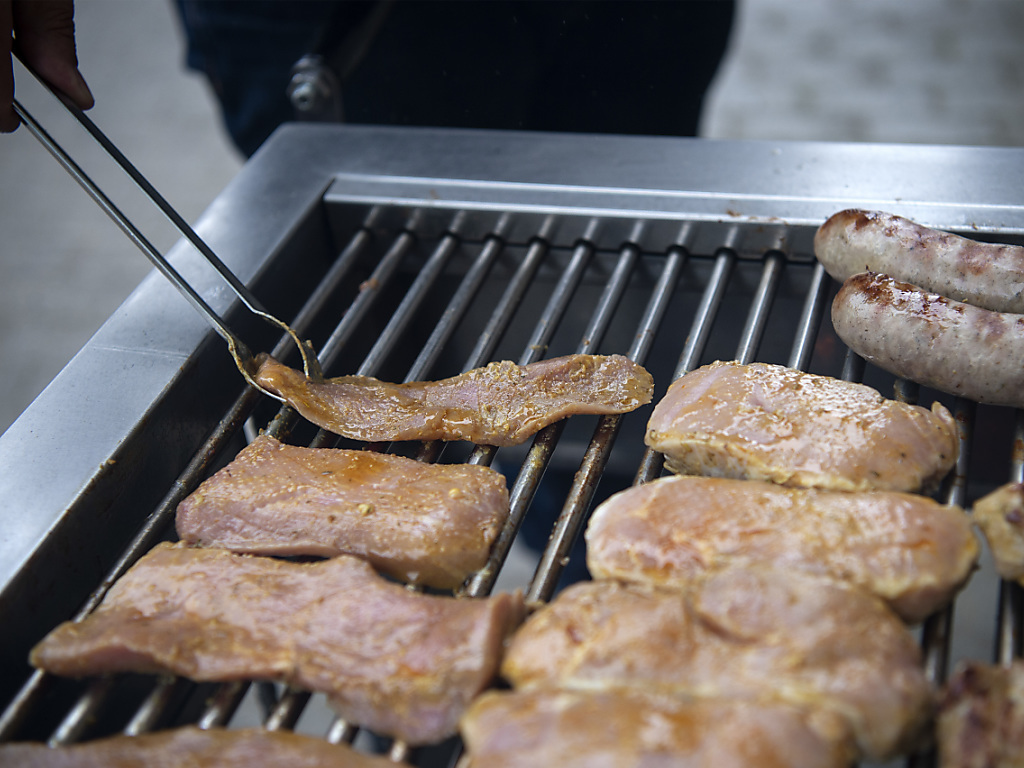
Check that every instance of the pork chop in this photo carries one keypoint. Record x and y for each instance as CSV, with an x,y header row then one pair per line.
x,y
429,524
398,662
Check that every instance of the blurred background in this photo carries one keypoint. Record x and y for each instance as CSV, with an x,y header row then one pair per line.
x,y
924,71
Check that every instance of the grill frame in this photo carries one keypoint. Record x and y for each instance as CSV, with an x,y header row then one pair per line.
x,y
731,203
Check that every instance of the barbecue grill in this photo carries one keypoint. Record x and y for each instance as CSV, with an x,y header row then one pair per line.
x,y
416,254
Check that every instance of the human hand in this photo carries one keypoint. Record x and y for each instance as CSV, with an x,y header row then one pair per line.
x,y
42,32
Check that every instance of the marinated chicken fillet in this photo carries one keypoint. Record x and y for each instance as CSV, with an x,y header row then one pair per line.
x,y
981,717
737,633
500,404
1000,516
430,524
907,549
612,729
769,422
190,747
397,662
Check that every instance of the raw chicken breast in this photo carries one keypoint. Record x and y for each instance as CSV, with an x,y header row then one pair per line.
x,y
981,717
1000,516
616,728
737,633
907,549
769,422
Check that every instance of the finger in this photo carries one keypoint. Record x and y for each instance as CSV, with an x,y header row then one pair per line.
x,y
8,120
44,36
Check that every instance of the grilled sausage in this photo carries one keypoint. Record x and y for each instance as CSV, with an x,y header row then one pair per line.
x,y
940,343
983,274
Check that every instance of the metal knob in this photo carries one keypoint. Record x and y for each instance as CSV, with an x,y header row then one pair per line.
x,y
314,90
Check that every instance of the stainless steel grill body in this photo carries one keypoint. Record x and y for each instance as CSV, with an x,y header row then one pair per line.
x,y
416,253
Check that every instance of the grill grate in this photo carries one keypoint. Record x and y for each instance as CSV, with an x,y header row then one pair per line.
x,y
440,287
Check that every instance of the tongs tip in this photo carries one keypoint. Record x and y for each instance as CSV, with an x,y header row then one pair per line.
x,y
249,366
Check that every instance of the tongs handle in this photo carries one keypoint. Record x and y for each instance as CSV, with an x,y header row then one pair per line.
x,y
239,351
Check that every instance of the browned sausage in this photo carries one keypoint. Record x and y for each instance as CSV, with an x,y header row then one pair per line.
x,y
940,343
983,274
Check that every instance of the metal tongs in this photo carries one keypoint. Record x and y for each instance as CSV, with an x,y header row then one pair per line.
x,y
241,354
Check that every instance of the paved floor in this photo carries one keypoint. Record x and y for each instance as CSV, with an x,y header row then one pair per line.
x,y
920,71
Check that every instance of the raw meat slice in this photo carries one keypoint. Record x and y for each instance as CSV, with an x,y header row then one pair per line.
x,y
190,747
1000,516
981,717
907,549
610,729
430,524
400,663
500,404
737,633
769,422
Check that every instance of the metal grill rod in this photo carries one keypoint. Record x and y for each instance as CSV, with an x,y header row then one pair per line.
x,y
77,719
810,320
696,341
223,704
853,367
546,326
368,293
403,315
460,301
412,300
757,319
288,710
937,630
281,425
155,705
515,291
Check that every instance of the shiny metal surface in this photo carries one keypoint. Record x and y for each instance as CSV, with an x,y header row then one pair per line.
x,y
239,351
116,435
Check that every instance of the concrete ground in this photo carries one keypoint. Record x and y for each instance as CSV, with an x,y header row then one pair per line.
x,y
64,266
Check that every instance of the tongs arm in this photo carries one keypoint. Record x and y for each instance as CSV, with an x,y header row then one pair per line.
x,y
239,351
